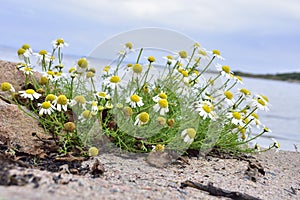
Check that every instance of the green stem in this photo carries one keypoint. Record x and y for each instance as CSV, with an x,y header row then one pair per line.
x,y
206,67
139,56
193,53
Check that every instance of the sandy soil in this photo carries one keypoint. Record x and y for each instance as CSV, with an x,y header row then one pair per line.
x,y
128,177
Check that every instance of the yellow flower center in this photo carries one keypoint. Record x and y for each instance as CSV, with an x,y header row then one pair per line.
x,y
82,63
43,80
239,78
137,68
144,117
265,98
151,59
29,91
62,100
57,73
50,97
228,94
69,126
46,105
196,45
100,108
106,68
159,147
102,94
5,86
182,54
191,133
72,69
162,96
21,51
226,69
60,41
25,46
169,57
236,115
163,103
51,73
128,45
161,120
184,73
93,151
94,103
90,74
255,115
206,108
135,98
43,52
245,91
127,111
202,52
86,114
80,99
180,69
262,102
115,79
216,52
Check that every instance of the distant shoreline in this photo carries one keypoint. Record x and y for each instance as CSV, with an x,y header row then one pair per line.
x,y
290,77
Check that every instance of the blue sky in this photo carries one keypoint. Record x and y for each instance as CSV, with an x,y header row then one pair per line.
x,y
253,35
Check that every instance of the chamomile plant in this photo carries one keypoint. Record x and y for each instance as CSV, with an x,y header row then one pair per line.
x,y
148,104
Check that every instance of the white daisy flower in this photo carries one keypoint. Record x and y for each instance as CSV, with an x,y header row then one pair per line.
x,y
236,118
51,98
59,43
102,95
141,119
158,148
229,98
170,60
238,79
160,96
27,70
161,106
61,103
94,107
5,86
261,102
135,101
46,108
44,57
225,71
216,53
23,53
204,54
30,94
79,100
255,120
53,76
188,135
112,82
206,110
85,115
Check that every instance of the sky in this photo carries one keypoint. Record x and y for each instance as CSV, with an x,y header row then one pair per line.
x,y
253,35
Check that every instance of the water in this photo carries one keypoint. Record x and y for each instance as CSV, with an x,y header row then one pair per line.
x,y
284,115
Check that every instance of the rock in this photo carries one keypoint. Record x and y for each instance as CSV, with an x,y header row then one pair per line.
x,y
16,127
